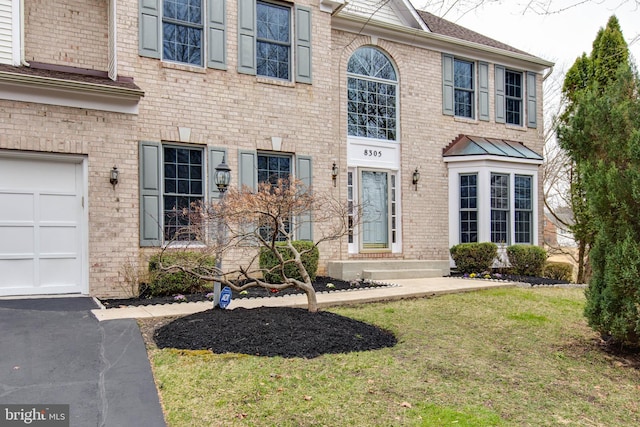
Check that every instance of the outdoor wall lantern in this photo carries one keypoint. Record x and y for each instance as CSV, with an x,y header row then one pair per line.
x,y
222,177
416,178
113,177
334,173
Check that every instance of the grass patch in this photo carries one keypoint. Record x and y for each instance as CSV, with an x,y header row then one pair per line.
x,y
505,357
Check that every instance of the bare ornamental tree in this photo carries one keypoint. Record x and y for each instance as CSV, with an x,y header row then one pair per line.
x,y
250,222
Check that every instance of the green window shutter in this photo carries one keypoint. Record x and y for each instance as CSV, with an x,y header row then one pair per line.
x,y
247,170
303,44
447,85
499,84
483,91
304,172
150,28
150,194
532,110
247,36
216,155
216,27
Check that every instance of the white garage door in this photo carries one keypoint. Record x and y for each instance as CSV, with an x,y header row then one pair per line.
x,y
42,225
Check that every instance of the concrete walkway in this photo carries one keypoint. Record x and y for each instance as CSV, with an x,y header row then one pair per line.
x,y
401,289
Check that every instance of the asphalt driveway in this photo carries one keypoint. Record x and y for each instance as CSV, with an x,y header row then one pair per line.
x,y
54,351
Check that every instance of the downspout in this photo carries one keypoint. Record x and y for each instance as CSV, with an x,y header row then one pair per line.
x,y
23,61
548,74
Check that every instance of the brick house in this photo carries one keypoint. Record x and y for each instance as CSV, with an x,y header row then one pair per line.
x,y
162,90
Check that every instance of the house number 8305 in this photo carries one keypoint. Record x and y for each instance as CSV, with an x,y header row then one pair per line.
x,y
372,153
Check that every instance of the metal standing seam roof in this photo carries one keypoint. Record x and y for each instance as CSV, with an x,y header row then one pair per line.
x,y
466,145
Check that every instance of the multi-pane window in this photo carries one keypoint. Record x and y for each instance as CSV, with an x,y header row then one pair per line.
x,y
468,208
523,204
371,91
183,188
273,45
351,213
272,168
499,208
394,209
463,88
513,97
182,31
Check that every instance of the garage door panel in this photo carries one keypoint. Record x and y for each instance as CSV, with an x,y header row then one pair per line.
x,y
57,207
16,207
43,232
58,240
16,273
37,174
16,240
58,272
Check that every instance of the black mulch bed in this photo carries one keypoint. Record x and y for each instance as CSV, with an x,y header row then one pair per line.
x,y
531,280
278,331
272,331
320,285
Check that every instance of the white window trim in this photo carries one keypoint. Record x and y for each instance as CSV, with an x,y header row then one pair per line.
x,y
523,98
474,90
205,193
292,52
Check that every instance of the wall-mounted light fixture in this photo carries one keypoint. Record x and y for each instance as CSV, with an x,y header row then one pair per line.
x,y
113,176
334,173
222,178
415,178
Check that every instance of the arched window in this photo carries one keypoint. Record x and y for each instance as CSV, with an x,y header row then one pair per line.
x,y
372,95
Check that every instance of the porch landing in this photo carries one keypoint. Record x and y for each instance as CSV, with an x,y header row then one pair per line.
x,y
386,269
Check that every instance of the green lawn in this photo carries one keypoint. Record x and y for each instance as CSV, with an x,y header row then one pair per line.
x,y
521,357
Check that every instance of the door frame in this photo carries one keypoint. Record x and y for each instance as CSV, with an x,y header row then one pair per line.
x,y
361,247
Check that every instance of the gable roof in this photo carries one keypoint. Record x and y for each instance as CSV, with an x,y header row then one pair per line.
x,y
466,145
398,20
446,28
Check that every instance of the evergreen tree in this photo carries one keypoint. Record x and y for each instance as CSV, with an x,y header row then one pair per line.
x,y
601,132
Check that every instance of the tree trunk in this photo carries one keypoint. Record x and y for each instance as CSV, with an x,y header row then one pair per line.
x,y
581,255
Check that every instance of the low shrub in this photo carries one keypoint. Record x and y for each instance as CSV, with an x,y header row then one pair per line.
x,y
527,260
163,283
474,257
310,259
558,271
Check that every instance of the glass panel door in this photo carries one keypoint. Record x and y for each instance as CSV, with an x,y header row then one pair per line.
x,y
375,210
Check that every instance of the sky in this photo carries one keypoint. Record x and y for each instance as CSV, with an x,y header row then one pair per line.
x,y
560,37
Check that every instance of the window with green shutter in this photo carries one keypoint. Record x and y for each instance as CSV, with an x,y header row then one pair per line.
x,y
175,30
269,37
174,178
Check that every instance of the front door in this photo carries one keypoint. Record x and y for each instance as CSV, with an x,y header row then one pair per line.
x,y
375,210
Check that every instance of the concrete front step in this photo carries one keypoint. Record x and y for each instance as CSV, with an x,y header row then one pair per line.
x,y
383,269
416,273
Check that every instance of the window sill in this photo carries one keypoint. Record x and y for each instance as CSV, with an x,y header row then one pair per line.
x,y
275,82
516,127
183,67
465,120
184,245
